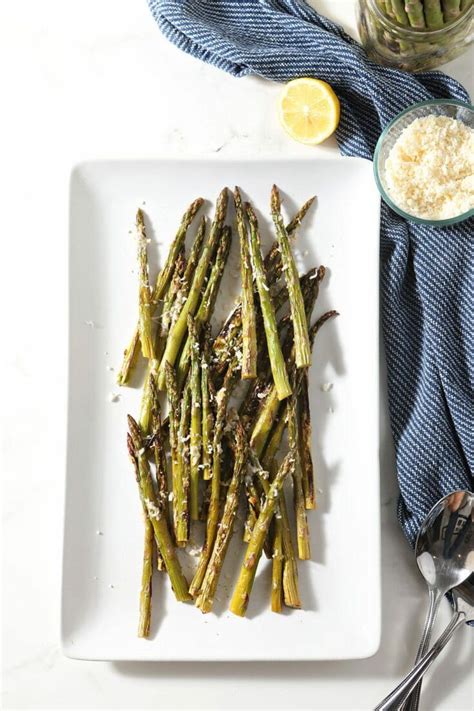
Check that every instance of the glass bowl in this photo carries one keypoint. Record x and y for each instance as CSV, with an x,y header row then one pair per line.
x,y
440,107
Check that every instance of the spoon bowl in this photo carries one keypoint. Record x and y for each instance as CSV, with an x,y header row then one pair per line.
x,y
444,546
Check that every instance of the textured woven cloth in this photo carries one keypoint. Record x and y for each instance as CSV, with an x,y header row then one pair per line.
x,y
427,274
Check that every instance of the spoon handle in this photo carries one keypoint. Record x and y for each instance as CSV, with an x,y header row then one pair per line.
x,y
436,596
397,697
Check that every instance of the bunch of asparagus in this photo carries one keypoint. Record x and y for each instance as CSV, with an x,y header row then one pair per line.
x,y
423,14
219,455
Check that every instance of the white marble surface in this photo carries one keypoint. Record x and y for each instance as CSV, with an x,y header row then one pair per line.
x,y
96,79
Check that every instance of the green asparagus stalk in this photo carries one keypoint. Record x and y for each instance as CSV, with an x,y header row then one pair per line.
x,y
433,14
222,399
291,593
465,4
265,421
253,402
144,290
414,10
188,273
399,12
290,567
208,301
241,595
147,576
227,341
196,421
206,596
253,508
267,414
302,529
155,514
306,459
194,257
130,357
169,304
207,413
275,439
259,388
184,437
160,459
231,330
161,335
452,9
178,331
177,475
300,326
384,6
296,221
249,326
162,281
277,362
278,557
144,618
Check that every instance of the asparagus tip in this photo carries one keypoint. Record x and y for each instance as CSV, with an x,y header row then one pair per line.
x,y
275,199
251,214
140,218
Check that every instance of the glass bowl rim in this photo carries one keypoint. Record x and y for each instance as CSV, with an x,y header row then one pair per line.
x,y
412,218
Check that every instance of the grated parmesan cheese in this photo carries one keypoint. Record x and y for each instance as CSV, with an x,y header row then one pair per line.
x,y
430,168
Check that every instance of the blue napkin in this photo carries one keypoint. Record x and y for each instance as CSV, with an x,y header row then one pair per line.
x,y
427,274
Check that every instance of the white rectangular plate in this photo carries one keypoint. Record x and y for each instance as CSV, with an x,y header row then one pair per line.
x,y
340,587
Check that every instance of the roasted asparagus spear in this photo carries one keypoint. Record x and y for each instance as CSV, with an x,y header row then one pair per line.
x,y
208,301
178,331
207,410
306,459
241,595
222,398
249,324
196,419
300,324
207,593
144,290
162,281
155,513
280,376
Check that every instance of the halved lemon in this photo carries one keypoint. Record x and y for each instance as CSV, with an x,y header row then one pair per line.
x,y
309,110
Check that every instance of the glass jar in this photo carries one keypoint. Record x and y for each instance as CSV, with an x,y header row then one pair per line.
x,y
389,38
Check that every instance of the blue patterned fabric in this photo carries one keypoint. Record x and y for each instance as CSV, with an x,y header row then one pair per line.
x,y
427,274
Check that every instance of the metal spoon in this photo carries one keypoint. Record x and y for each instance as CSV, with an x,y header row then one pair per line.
x,y
463,597
442,552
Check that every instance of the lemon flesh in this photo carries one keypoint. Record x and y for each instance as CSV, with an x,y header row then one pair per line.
x,y
309,110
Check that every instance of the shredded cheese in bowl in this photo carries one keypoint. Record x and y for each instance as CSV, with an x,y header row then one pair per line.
x,y
429,171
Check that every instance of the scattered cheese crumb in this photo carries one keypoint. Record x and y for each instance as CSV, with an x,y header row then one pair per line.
x,y
109,367
430,168
114,397
170,496
90,323
99,533
330,409
326,387
153,511
110,585
194,551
